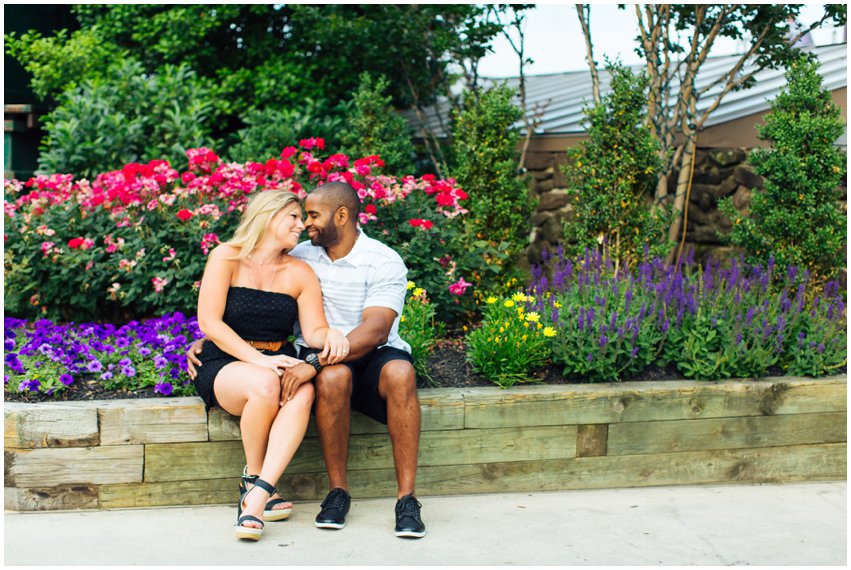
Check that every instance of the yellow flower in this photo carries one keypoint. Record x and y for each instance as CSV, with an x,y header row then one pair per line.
x,y
502,329
402,319
549,332
418,291
508,303
533,317
519,297
558,305
411,285
491,300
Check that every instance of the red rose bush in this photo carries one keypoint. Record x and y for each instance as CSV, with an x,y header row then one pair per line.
x,y
133,242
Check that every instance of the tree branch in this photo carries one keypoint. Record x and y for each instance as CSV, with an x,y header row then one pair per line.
x,y
584,13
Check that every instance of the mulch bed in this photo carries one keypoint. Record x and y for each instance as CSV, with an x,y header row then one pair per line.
x,y
448,365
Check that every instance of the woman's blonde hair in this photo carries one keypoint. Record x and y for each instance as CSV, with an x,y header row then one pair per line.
x,y
256,218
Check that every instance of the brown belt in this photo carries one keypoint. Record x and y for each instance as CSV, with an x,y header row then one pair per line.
x,y
272,345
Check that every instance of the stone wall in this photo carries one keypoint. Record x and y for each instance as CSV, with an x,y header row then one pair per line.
x,y
718,173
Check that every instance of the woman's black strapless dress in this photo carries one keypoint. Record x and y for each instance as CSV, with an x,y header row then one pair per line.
x,y
253,314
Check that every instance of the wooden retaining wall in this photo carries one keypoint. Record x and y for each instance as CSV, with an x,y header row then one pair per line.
x,y
141,453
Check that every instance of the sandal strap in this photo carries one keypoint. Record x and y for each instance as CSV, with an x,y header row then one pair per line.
x,y
271,503
245,518
266,486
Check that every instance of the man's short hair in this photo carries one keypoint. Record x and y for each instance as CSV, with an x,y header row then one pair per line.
x,y
340,194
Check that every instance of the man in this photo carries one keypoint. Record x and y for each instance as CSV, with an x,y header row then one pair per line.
x,y
363,288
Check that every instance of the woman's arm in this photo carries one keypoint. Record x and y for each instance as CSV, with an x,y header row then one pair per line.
x,y
212,297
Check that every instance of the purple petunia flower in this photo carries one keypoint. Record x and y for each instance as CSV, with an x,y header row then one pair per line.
x,y
128,371
66,379
106,376
29,385
144,351
164,388
94,366
160,361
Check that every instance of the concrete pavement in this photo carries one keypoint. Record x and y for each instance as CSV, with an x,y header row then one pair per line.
x,y
791,524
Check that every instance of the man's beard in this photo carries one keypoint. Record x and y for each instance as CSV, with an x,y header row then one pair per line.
x,y
325,237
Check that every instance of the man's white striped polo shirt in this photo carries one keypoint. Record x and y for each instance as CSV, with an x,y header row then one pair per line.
x,y
371,275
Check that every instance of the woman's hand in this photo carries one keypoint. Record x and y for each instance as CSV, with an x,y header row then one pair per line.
x,y
192,358
276,362
336,347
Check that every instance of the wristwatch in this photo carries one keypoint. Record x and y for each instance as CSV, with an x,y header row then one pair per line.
x,y
313,360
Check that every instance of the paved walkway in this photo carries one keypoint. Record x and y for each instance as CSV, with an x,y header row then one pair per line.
x,y
793,524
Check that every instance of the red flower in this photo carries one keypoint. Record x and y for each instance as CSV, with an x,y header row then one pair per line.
x,y
308,144
76,242
184,214
444,199
187,177
460,194
428,178
416,222
288,152
285,168
427,224
370,209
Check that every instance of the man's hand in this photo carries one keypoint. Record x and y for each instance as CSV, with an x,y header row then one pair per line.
x,y
191,358
294,377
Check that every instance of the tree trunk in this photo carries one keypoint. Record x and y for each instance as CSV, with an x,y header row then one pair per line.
x,y
674,233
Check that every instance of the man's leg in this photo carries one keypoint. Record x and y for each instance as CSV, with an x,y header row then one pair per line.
x,y
333,401
397,386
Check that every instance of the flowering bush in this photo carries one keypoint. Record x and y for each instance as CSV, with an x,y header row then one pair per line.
x,y
419,329
512,341
709,322
133,242
44,357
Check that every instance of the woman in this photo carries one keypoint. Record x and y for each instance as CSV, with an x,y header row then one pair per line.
x,y
251,294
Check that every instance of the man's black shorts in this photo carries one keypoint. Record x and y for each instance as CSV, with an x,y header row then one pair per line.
x,y
365,374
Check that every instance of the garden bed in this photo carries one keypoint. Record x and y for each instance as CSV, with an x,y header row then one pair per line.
x,y
169,451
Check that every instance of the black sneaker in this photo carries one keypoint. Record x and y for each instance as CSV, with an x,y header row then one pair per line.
x,y
334,509
409,524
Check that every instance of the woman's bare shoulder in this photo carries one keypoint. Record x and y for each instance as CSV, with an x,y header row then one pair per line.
x,y
224,252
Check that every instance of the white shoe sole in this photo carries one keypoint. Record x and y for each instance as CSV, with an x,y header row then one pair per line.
x,y
334,526
277,515
411,534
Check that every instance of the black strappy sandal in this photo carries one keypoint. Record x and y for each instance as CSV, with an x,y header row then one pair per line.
x,y
270,513
246,532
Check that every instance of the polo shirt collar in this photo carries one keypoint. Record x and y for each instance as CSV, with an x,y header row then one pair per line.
x,y
356,255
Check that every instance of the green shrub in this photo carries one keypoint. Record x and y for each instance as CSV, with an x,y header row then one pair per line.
x,y
60,62
374,127
486,163
511,341
612,176
269,130
797,217
419,329
102,125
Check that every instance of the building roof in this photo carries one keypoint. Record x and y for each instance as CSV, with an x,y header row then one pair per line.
x,y
563,95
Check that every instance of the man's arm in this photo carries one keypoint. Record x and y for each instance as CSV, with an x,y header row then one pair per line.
x,y
371,333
